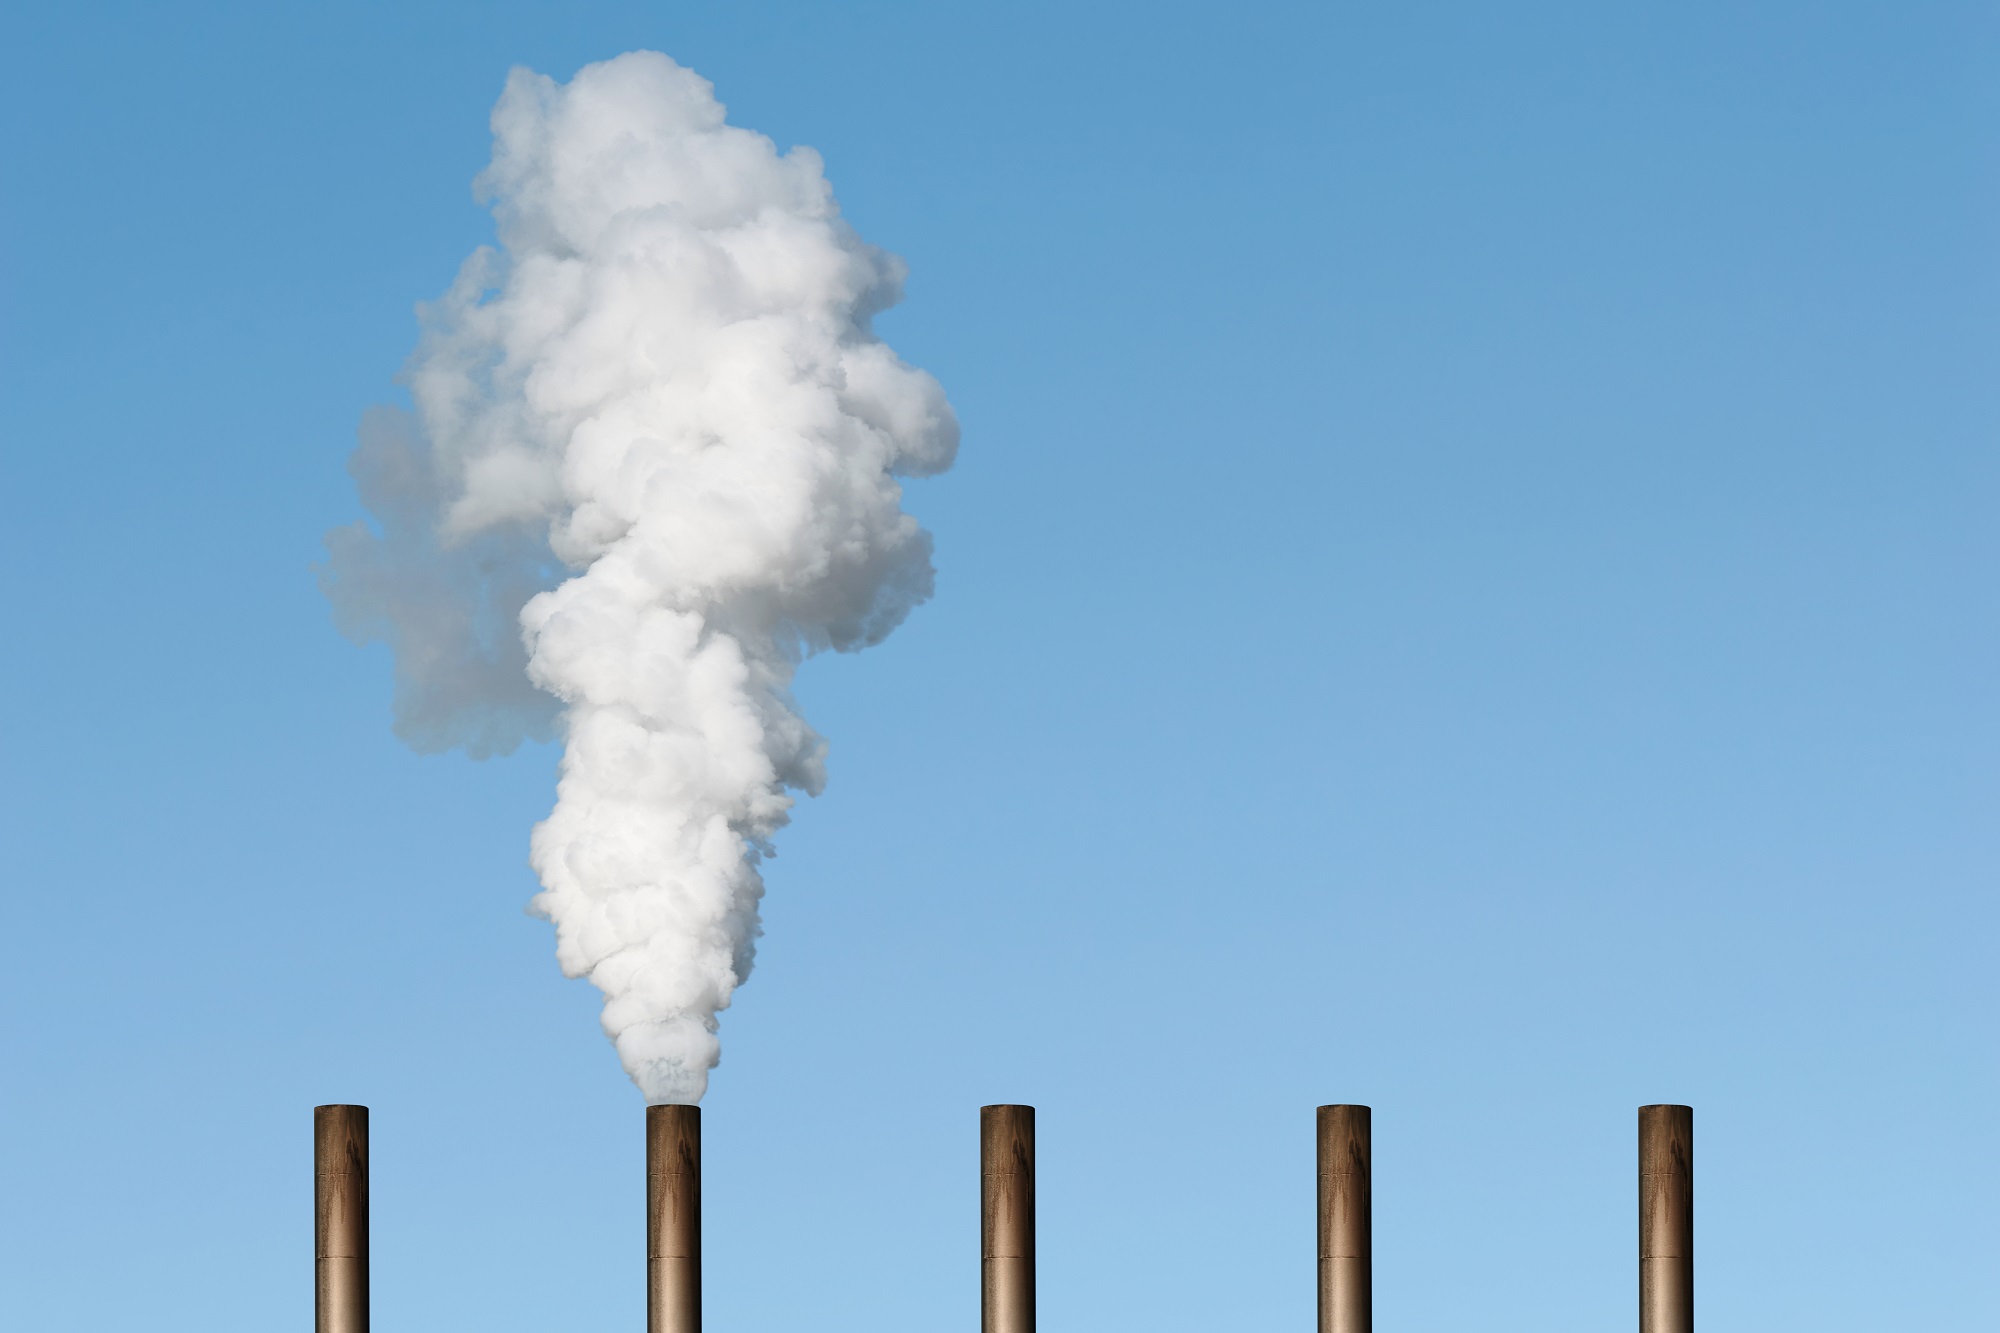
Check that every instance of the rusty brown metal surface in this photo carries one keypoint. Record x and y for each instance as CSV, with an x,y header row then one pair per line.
x,y
1346,1237
1007,1219
340,1219
673,1219
1666,1219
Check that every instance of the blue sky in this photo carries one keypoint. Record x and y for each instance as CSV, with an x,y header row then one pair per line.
x,y
1468,588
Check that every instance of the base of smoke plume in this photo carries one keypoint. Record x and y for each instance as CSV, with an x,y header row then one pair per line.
x,y
670,1061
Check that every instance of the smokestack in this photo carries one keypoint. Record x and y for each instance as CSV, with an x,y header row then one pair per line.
x,y
1346,1241
1007,1219
1666,1219
340,1219
673,1219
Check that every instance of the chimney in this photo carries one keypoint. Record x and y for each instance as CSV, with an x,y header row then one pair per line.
x,y
1007,1219
1346,1241
673,1219
1666,1219
340,1219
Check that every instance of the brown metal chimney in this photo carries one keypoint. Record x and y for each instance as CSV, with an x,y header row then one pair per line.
x,y
1007,1219
673,1219
1346,1239
340,1219
1666,1219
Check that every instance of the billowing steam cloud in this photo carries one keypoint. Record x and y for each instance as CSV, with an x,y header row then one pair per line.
x,y
652,465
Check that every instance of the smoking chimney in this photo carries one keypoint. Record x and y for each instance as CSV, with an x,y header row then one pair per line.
x,y
1666,1219
673,1219
1007,1219
1346,1240
340,1219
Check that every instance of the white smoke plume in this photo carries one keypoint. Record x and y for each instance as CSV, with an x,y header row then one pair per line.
x,y
652,465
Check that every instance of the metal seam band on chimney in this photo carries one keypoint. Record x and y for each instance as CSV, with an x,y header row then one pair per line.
x,y
340,1219
673,1219
1666,1219
1346,1238
1007,1219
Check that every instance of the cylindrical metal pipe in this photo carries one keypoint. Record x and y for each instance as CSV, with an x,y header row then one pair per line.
x,y
1346,1237
340,1219
1007,1219
673,1219
1666,1219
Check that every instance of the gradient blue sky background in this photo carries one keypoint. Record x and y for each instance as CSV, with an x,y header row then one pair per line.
x,y
1470,587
